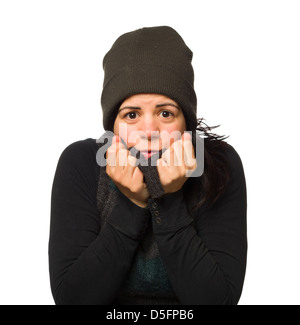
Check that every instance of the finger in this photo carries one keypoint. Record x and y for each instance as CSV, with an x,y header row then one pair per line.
x,y
132,161
159,163
116,141
178,153
122,155
138,176
111,153
111,156
186,136
189,155
178,145
168,157
128,169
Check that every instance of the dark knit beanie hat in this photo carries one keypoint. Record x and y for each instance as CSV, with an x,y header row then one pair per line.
x,y
148,60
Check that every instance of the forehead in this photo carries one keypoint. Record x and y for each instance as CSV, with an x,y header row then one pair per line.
x,y
146,99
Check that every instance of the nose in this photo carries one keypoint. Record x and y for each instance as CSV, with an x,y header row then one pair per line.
x,y
149,127
149,134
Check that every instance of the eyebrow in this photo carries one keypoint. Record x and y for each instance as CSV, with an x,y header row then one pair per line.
x,y
156,106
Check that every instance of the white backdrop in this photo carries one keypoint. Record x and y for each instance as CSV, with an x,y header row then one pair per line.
x,y
247,68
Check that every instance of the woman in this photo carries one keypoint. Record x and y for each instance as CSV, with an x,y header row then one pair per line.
x,y
124,233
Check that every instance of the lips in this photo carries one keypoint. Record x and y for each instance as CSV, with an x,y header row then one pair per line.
x,y
147,154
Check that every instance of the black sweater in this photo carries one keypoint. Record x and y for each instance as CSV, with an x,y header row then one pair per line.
x,y
204,257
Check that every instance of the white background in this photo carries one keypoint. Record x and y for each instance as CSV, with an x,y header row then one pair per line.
x,y
247,68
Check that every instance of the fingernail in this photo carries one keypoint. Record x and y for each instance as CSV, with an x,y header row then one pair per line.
x,y
114,139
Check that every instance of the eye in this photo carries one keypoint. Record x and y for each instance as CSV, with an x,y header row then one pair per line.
x,y
131,115
166,114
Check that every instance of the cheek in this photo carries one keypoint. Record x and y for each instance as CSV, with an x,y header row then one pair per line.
x,y
124,130
170,129
178,125
171,134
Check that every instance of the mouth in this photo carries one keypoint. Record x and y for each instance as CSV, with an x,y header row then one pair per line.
x,y
147,154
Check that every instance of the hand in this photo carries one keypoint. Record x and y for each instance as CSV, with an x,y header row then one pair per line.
x,y
122,168
176,164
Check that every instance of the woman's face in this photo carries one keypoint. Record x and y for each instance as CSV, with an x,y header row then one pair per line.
x,y
150,122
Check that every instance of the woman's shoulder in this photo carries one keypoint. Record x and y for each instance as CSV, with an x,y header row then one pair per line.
x,y
235,167
232,155
80,156
234,160
81,148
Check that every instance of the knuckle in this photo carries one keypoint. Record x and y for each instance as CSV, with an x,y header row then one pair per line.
x,y
182,173
178,173
192,164
135,188
177,144
111,151
132,161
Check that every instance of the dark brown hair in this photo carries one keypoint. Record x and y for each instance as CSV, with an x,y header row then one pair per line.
x,y
215,177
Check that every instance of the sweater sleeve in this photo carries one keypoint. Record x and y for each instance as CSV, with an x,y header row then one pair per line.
x,y
205,258
88,264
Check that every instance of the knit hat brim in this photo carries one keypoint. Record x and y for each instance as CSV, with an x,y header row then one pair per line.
x,y
146,78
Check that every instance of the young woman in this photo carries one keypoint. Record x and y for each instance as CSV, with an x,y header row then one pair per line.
x,y
127,234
